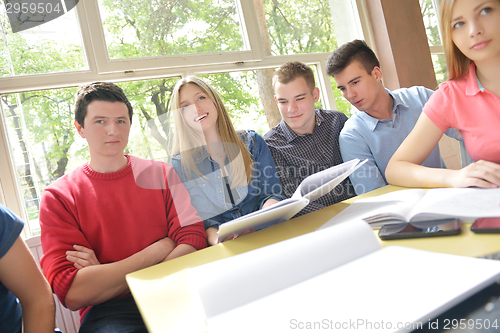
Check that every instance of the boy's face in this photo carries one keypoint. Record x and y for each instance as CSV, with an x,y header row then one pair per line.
x,y
296,104
360,88
106,128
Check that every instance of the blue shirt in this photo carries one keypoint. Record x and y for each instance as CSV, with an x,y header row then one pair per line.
x,y
365,137
10,310
209,193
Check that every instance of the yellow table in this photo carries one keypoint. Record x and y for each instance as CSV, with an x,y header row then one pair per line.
x,y
166,305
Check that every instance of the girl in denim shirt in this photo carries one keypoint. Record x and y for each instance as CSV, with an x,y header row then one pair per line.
x,y
227,174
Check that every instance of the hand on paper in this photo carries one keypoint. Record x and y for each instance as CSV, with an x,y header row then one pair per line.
x,y
82,257
482,174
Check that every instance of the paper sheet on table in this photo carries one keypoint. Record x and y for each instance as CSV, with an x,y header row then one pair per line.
x,y
255,274
386,288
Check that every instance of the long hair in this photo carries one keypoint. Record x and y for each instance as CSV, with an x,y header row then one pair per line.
x,y
458,64
188,141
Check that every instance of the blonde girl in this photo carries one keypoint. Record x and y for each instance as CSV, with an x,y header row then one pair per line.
x,y
227,174
468,101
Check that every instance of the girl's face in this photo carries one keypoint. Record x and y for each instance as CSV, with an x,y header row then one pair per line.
x,y
198,110
475,28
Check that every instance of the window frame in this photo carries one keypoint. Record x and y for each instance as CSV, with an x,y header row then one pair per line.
x,y
102,68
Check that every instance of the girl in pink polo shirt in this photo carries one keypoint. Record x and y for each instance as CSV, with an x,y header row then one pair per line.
x,y
469,101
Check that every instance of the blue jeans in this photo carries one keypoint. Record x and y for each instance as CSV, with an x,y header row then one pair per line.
x,y
119,315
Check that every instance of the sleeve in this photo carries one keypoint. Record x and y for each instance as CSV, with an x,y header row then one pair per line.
x,y
185,226
439,108
10,228
59,231
265,172
368,176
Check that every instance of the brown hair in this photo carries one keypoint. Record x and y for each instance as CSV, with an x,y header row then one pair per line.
x,y
99,91
292,70
347,53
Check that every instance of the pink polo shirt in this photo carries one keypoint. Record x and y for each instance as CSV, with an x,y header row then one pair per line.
x,y
465,105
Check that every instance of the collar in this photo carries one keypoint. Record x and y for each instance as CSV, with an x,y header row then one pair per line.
x,y
473,87
372,122
290,135
202,154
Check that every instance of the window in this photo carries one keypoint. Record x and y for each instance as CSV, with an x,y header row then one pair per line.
x,y
145,47
52,47
430,14
181,27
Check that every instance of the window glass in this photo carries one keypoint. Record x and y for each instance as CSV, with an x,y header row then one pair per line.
x,y
431,21
439,62
341,103
299,26
240,93
55,46
180,27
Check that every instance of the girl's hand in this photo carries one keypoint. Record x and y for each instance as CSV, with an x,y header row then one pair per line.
x,y
482,174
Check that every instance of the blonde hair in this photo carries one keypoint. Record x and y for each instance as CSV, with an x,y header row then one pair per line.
x,y
188,142
458,64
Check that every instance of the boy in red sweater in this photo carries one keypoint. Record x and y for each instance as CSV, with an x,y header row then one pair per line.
x,y
111,216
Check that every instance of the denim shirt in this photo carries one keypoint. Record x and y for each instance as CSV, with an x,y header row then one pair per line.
x,y
208,192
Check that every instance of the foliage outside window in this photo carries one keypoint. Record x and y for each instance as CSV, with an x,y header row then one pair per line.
x,y
431,22
48,48
180,27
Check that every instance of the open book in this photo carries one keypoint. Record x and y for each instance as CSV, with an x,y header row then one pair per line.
x,y
337,277
419,206
310,189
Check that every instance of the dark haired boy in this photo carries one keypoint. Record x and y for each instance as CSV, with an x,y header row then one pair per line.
x,y
111,216
384,118
306,139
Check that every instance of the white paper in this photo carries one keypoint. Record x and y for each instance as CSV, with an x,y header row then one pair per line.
x,y
280,212
320,183
416,205
459,202
229,283
390,286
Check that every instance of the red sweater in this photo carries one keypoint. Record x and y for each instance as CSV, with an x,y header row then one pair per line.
x,y
115,214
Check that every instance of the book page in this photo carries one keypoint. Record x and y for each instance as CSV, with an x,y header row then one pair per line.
x,y
277,213
383,209
465,203
229,283
311,188
376,293
320,183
